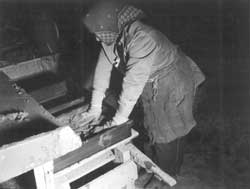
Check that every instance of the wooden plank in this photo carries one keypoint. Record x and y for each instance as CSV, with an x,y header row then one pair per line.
x,y
44,176
93,145
86,165
122,154
35,151
31,67
117,178
83,167
66,105
145,162
50,92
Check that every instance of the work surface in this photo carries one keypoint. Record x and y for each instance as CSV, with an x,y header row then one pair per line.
x,y
29,135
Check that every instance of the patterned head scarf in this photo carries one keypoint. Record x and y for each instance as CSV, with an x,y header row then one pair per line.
x,y
107,18
127,15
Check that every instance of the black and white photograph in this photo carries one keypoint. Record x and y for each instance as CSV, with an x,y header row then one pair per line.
x,y
124,94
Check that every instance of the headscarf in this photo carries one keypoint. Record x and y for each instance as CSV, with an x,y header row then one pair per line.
x,y
107,18
127,15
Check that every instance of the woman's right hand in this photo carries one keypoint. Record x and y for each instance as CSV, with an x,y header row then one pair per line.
x,y
85,119
91,117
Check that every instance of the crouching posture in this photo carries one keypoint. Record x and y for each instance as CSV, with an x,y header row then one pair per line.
x,y
154,69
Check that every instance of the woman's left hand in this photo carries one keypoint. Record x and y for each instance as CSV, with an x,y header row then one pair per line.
x,y
109,124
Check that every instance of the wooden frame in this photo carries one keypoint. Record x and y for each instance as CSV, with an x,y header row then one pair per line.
x,y
64,177
31,67
20,157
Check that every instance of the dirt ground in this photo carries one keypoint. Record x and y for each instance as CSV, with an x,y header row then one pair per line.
x,y
218,153
210,165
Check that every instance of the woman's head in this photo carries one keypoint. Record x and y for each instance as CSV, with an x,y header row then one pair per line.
x,y
107,18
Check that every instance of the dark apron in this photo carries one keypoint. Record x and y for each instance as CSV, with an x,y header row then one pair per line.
x,y
168,100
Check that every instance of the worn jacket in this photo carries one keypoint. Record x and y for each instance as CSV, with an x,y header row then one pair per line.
x,y
140,53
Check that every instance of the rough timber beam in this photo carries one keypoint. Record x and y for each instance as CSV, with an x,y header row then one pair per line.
x,y
29,143
31,67
20,157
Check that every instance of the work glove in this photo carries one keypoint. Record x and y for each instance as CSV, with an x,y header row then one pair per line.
x,y
92,116
116,121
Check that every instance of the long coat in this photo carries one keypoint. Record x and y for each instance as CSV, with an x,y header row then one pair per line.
x,y
155,69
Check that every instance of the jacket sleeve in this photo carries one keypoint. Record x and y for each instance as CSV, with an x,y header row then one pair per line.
x,y
101,80
141,54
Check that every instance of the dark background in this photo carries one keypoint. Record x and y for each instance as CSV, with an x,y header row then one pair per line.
x,y
214,33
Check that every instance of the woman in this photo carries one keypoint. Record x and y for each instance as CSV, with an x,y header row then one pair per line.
x,y
154,69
